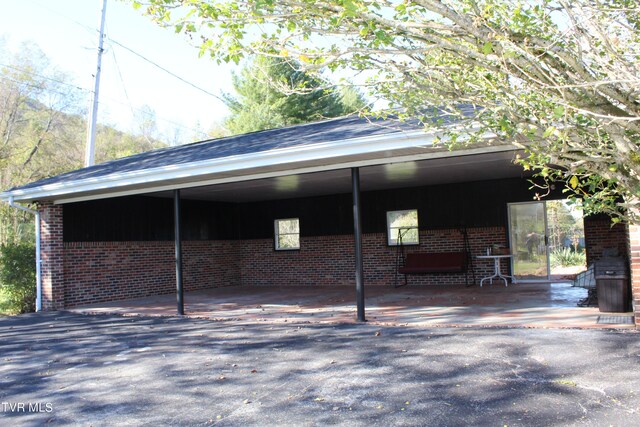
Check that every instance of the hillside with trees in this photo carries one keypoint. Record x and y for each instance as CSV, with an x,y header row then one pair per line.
x,y
42,131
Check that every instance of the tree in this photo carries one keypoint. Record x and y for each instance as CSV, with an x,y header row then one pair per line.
x,y
35,100
559,78
17,277
147,123
275,92
42,131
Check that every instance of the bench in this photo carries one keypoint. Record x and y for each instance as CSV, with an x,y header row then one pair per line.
x,y
433,263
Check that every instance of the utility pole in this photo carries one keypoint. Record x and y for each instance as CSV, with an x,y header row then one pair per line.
x,y
89,158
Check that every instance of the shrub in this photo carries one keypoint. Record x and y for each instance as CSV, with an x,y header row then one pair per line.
x,y
565,257
18,277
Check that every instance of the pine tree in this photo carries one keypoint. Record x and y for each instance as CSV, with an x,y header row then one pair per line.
x,y
273,93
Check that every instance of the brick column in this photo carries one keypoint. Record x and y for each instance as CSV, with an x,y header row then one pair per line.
x,y
634,262
599,235
52,253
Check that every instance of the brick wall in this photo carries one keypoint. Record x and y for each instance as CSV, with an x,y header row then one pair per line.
x,y
321,261
329,260
599,234
92,272
52,256
634,260
105,271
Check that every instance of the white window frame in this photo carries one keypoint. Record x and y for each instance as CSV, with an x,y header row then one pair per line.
x,y
276,240
392,234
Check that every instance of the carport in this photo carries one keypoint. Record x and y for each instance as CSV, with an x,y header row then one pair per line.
x,y
200,218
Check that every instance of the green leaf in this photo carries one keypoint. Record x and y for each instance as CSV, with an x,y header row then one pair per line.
x,y
547,133
558,112
487,48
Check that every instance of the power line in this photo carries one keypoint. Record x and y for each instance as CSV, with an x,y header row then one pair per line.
x,y
165,70
43,77
111,101
134,109
139,109
86,27
94,30
34,85
132,51
124,87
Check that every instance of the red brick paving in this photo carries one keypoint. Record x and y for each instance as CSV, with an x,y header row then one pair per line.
x,y
519,305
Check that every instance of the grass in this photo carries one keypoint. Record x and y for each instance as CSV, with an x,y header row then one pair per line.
x,y
4,305
530,268
564,257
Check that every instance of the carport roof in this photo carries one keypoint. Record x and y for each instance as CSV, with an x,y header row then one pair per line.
x,y
326,145
250,143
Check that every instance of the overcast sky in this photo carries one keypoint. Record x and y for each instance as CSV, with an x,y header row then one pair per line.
x,y
67,32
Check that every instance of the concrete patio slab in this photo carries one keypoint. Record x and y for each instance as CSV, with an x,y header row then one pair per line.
x,y
540,305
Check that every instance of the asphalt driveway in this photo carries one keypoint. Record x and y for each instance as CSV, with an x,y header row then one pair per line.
x,y
62,368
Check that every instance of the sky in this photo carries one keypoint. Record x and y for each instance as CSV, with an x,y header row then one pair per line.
x,y
67,32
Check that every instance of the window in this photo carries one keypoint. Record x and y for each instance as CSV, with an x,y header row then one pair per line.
x,y
287,232
402,225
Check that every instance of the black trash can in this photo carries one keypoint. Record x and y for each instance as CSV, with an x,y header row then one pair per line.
x,y
612,284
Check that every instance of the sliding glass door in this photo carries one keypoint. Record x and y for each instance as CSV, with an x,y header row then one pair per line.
x,y
528,234
546,240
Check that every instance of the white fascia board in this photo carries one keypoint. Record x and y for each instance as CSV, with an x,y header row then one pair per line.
x,y
118,182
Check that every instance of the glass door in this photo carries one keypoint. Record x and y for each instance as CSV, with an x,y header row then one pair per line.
x,y
566,239
529,242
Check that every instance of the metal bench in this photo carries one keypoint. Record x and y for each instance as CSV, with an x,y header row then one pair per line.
x,y
433,263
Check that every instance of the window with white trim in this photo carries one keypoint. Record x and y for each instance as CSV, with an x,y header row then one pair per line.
x,y
287,234
402,226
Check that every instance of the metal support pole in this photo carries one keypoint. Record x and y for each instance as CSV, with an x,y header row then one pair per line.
x,y
178,245
357,232
38,263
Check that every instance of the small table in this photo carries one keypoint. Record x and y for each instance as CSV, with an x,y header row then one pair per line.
x,y
496,266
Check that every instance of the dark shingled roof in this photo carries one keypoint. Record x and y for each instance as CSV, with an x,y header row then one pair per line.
x,y
327,131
